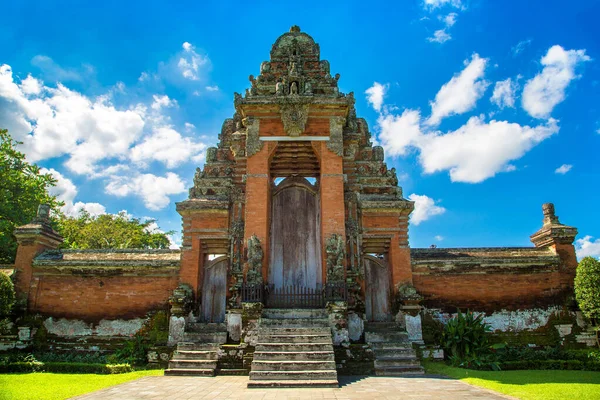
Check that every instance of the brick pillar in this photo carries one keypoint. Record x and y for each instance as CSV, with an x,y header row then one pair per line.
x,y
33,239
258,200
399,254
558,238
333,214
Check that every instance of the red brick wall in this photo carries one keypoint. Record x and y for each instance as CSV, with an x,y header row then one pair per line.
x,y
99,297
490,292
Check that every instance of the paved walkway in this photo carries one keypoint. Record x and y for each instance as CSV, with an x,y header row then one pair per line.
x,y
234,387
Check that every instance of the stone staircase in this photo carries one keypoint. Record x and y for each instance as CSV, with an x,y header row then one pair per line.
x,y
294,349
196,355
394,355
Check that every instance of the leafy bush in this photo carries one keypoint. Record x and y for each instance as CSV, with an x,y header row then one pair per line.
x,y
7,294
466,343
133,352
72,357
587,287
551,364
65,367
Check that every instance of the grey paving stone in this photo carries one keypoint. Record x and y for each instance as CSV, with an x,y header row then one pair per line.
x,y
234,387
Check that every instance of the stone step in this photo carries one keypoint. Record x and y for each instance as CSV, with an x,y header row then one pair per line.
x,y
382,327
286,338
205,327
205,337
294,375
195,355
192,364
316,330
390,346
294,355
399,362
294,323
294,383
192,346
284,313
260,365
233,371
399,371
294,346
189,372
379,337
394,353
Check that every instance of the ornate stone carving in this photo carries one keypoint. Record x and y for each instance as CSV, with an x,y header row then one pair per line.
x,y
308,88
255,256
294,116
336,135
279,91
181,300
253,142
335,249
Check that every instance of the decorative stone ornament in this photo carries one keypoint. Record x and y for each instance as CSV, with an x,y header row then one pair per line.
x,y
335,249
255,256
294,116
181,300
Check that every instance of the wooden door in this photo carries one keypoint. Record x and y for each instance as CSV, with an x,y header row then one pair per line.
x,y
377,291
295,231
214,290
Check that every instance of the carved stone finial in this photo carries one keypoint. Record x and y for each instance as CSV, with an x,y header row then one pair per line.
x,y
553,231
549,213
43,212
295,29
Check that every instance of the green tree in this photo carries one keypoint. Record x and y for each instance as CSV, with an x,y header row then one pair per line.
x,y
587,287
110,231
7,294
22,189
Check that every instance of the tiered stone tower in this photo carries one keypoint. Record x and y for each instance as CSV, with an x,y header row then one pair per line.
x,y
294,124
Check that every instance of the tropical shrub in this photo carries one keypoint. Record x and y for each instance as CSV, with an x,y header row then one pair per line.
x,y
466,343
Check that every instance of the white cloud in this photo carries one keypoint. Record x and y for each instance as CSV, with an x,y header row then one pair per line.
x,y
518,49
450,19
505,93
547,89
66,191
167,146
54,72
398,132
190,62
478,150
189,126
59,121
433,4
213,88
587,248
30,85
439,238
425,208
162,101
563,169
375,95
461,93
440,36
153,190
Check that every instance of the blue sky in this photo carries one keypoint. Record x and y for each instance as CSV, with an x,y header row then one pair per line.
x,y
477,103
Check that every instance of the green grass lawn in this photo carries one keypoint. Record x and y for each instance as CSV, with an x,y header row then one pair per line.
x,y
526,385
46,386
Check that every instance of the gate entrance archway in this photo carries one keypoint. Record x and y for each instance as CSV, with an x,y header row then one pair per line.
x,y
295,235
